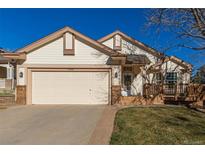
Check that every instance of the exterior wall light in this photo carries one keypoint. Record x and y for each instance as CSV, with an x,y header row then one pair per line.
x,y
21,74
116,75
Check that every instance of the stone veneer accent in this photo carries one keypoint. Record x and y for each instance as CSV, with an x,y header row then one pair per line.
x,y
20,94
140,100
7,100
116,94
200,103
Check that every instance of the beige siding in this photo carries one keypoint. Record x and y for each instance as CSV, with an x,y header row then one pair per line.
x,y
52,53
109,43
116,70
21,80
171,66
129,48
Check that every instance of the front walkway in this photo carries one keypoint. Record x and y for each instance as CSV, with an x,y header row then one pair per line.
x,y
104,128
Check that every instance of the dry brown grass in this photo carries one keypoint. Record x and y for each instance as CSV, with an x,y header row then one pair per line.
x,y
159,125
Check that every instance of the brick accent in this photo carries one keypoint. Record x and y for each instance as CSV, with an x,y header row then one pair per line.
x,y
7,100
116,94
132,100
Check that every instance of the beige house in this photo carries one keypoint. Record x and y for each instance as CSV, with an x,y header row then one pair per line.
x,y
67,67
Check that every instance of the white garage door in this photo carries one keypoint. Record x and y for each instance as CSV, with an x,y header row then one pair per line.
x,y
70,87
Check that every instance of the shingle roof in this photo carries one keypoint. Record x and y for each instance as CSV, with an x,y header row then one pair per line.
x,y
2,50
137,59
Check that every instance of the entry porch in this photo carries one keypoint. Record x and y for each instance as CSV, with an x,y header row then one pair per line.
x,y
7,81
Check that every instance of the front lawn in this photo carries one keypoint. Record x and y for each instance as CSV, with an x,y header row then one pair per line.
x,y
158,125
7,93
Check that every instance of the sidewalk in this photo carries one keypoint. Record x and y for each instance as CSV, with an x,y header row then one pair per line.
x,y
104,127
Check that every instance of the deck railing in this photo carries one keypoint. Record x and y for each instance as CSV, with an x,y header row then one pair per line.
x,y
175,89
166,89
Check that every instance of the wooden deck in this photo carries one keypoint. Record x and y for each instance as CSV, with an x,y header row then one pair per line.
x,y
176,93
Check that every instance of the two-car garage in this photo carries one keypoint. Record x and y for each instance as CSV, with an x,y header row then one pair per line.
x,y
69,87
67,67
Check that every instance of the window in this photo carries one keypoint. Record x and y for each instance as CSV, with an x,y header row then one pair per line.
x,y
3,72
128,82
171,78
158,77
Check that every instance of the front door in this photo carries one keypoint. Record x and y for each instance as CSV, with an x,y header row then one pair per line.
x,y
127,83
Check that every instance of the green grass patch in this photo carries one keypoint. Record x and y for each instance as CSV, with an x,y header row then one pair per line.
x,y
7,93
158,125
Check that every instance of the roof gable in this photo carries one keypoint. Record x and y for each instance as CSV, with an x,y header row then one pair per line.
x,y
133,41
106,50
144,47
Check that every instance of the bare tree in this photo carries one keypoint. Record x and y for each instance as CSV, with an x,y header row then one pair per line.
x,y
149,71
187,24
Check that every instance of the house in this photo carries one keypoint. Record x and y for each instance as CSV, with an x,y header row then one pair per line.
x,y
7,77
67,67
138,55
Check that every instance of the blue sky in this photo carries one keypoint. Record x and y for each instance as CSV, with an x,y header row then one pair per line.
x,y
19,27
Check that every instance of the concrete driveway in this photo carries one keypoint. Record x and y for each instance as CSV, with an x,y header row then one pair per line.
x,y
49,124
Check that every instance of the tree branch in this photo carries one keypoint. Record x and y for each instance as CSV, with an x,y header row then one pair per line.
x,y
193,48
199,23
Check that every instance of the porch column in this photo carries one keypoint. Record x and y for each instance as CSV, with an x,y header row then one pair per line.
x,y
116,84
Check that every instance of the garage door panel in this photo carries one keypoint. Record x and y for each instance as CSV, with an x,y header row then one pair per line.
x,y
100,87
70,87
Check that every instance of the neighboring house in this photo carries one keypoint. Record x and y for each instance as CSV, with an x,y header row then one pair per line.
x,y
67,67
199,77
7,80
